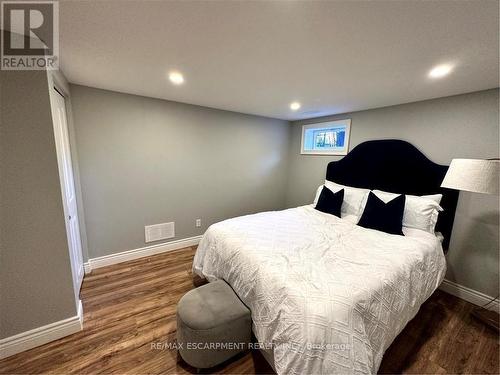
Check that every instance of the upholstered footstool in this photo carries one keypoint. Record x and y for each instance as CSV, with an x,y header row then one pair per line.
x,y
212,325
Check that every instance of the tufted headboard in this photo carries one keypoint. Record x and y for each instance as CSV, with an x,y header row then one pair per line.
x,y
399,167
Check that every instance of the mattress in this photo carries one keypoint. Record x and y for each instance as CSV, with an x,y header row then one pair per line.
x,y
326,295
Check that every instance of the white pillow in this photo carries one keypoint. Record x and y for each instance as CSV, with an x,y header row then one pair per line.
x,y
421,212
354,198
318,192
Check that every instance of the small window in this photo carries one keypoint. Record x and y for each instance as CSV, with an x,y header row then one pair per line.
x,y
326,138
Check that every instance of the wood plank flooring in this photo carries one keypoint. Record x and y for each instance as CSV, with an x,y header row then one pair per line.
x,y
129,311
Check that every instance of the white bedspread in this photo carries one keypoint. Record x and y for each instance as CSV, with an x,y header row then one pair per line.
x,y
327,295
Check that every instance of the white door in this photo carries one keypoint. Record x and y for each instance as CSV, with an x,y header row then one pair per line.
x,y
68,189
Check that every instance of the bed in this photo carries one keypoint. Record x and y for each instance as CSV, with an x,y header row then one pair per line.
x,y
326,295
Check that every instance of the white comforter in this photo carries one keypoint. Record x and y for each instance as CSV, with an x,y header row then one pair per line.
x,y
327,295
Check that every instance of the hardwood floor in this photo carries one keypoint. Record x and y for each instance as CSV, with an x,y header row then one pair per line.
x,y
130,311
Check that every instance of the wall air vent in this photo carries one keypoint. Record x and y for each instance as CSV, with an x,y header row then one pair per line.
x,y
159,232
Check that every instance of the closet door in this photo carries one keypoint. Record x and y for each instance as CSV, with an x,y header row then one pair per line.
x,y
68,189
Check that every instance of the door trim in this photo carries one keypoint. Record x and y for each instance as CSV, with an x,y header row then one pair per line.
x,y
58,86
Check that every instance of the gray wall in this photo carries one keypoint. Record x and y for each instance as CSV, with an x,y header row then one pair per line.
x,y
145,161
459,126
35,270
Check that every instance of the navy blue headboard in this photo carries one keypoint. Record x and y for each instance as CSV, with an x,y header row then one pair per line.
x,y
399,167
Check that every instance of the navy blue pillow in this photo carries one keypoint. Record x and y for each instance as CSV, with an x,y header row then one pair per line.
x,y
330,202
385,217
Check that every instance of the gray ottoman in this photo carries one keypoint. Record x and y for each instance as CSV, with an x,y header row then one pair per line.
x,y
212,325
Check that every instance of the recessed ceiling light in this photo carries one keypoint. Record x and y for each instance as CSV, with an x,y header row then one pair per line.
x,y
294,106
176,78
440,71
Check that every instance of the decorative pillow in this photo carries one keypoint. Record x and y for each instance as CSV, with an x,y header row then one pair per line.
x,y
330,202
385,217
421,212
354,198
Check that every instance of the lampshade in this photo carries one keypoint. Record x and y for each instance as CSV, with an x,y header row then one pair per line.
x,y
476,175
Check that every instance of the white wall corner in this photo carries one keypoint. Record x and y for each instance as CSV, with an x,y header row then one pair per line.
x,y
41,335
469,295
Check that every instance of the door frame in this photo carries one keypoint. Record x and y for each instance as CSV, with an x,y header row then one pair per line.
x,y
57,82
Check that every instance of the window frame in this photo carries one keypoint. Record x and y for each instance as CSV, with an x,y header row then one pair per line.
x,y
327,125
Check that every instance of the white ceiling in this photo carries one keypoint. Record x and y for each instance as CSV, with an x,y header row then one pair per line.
x,y
256,57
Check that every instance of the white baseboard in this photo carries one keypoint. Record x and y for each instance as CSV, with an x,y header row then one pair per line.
x,y
41,335
469,295
125,256
86,267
